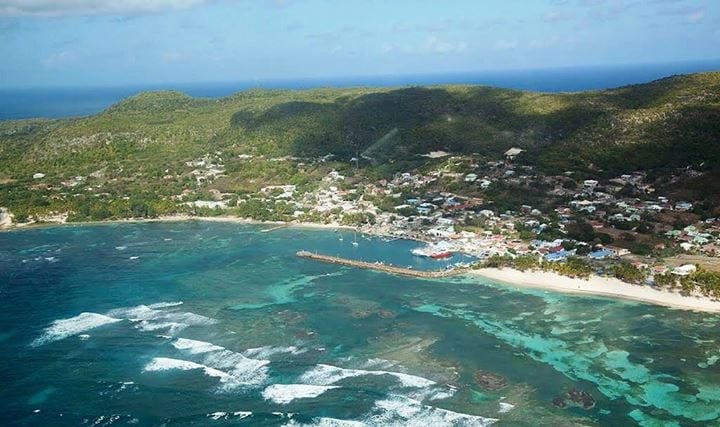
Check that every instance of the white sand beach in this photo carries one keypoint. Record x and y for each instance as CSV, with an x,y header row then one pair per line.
x,y
601,286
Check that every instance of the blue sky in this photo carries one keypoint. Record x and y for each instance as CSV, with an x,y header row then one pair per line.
x,y
100,42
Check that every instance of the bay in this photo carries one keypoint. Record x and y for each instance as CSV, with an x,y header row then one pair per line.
x,y
208,323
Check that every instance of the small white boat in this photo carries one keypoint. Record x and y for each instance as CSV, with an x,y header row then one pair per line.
x,y
355,243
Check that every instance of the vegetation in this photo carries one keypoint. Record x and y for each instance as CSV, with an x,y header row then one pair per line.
x,y
703,281
628,273
132,157
573,267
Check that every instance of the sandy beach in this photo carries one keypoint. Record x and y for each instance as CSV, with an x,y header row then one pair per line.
x,y
179,218
600,286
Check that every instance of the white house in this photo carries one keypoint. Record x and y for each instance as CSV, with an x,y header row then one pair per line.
x,y
513,152
683,206
590,183
617,251
684,270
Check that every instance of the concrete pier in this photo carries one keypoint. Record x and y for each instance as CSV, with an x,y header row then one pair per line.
x,y
400,271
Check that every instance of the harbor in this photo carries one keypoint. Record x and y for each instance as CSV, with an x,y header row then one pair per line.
x,y
391,269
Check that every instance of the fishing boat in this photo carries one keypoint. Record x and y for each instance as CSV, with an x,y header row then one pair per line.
x,y
441,255
434,250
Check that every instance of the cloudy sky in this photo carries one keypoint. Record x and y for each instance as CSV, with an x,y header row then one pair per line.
x,y
100,42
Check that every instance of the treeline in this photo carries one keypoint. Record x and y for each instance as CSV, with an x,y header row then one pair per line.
x,y
572,267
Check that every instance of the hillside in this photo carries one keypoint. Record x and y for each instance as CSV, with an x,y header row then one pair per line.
x,y
669,123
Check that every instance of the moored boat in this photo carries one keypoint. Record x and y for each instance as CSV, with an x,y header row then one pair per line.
x,y
441,255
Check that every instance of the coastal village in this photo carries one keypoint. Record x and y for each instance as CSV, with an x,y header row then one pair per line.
x,y
495,211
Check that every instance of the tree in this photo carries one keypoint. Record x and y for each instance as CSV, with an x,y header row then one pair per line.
x,y
628,273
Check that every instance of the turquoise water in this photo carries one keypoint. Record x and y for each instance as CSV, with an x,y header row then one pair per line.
x,y
221,324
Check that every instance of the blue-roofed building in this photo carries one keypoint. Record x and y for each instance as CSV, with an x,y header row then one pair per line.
x,y
557,256
600,254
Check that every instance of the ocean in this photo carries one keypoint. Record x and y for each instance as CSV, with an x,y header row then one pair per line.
x,y
205,323
82,101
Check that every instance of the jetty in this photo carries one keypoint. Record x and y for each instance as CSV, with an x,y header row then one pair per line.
x,y
400,271
277,227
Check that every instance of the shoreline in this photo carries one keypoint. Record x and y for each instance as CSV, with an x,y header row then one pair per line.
x,y
597,286
594,286
180,218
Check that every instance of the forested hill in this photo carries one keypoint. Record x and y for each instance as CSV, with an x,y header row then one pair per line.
x,y
669,123
674,121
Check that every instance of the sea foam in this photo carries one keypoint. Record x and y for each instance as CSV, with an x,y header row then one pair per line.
x,y
159,364
242,371
327,422
402,411
64,328
265,352
327,374
156,317
505,407
195,347
286,393
239,415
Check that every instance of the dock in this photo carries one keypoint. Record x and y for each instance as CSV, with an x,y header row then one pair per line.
x,y
391,269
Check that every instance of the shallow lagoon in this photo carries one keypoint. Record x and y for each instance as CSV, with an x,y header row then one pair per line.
x,y
212,323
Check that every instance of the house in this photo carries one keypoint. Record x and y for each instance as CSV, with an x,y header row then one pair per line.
x,y
557,256
600,254
686,246
684,270
590,183
617,251
640,265
711,249
471,177
683,206
660,269
513,152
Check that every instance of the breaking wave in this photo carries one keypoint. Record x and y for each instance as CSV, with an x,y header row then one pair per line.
x,y
286,393
265,352
242,370
195,347
64,328
159,364
327,374
150,318
403,411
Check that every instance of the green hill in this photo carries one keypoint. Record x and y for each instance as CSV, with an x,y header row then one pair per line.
x,y
673,122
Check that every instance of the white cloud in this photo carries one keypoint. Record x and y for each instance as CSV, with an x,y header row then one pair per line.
x,y
550,42
59,59
431,45
556,16
435,45
90,7
696,16
688,13
172,56
506,45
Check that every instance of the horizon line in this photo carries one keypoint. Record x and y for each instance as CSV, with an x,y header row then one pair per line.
x,y
337,79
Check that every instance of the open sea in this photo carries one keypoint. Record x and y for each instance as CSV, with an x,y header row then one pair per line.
x,y
81,101
210,324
